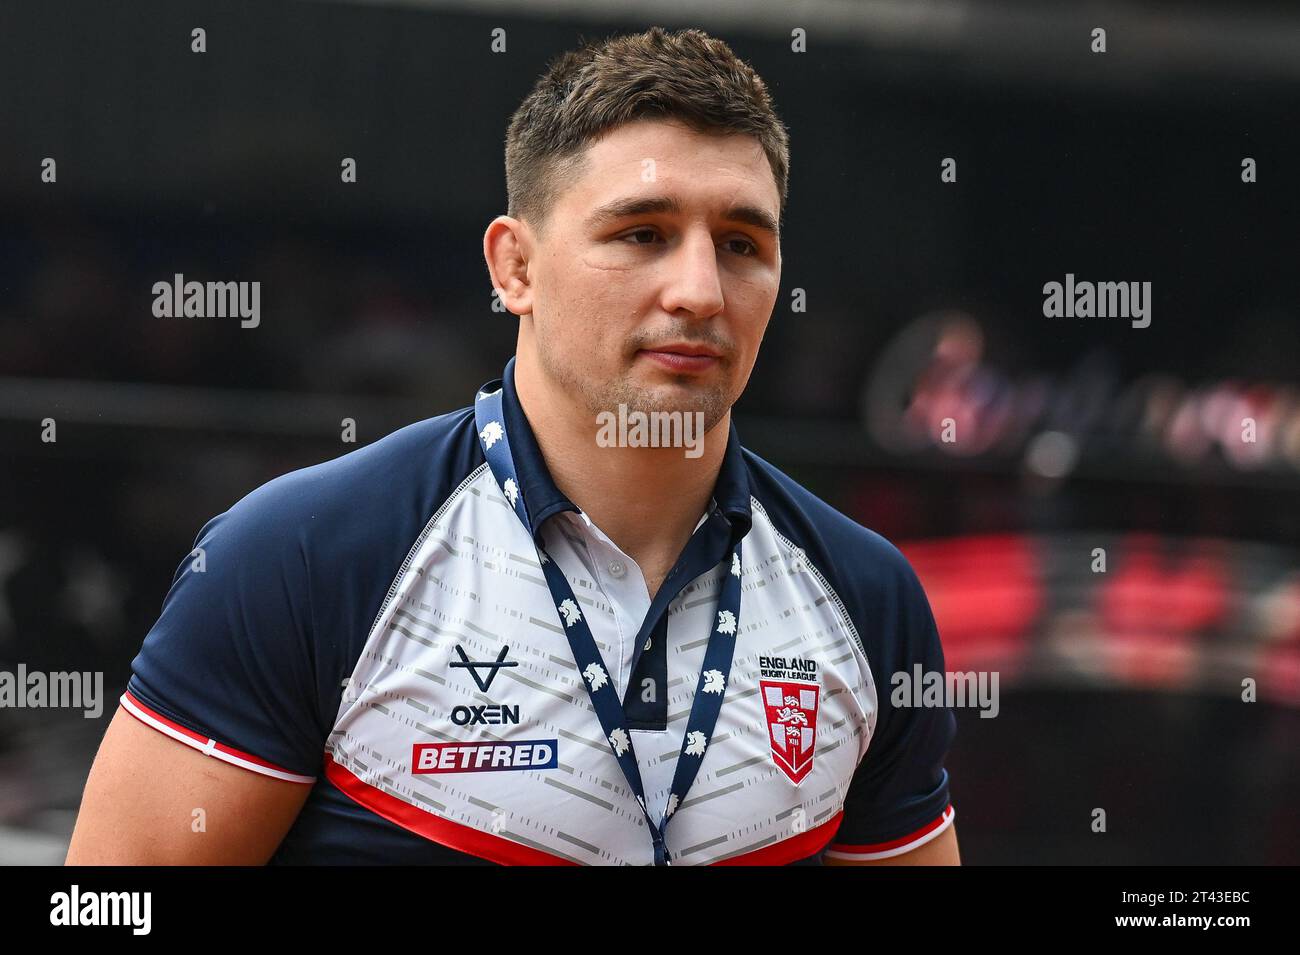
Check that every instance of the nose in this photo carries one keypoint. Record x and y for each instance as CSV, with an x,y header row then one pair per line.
x,y
693,283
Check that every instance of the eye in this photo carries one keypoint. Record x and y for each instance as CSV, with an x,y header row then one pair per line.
x,y
741,247
642,232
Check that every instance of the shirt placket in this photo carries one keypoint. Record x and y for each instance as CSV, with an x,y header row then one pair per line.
x,y
623,585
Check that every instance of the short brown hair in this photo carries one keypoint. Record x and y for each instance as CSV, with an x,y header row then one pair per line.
x,y
688,75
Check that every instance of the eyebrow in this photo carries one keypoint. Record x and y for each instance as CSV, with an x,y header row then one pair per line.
x,y
657,205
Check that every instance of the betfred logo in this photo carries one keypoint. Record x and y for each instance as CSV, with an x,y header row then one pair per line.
x,y
483,757
791,710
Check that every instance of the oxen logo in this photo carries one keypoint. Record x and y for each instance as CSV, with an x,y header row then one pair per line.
x,y
791,710
492,666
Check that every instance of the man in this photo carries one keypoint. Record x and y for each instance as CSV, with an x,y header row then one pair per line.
x,y
493,637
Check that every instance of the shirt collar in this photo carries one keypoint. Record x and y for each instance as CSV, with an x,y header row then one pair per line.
x,y
542,499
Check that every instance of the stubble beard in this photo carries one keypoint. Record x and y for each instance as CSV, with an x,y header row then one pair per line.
x,y
596,396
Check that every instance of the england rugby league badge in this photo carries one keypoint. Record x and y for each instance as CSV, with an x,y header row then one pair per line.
x,y
791,711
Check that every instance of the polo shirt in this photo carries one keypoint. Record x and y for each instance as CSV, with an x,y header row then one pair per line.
x,y
378,628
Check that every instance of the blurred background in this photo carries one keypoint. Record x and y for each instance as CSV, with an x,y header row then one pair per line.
x,y
1120,689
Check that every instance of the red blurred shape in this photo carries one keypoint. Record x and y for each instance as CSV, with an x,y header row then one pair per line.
x,y
1154,606
986,594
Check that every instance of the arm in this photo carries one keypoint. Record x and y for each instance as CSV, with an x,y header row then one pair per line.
x,y
938,851
140,802
224,709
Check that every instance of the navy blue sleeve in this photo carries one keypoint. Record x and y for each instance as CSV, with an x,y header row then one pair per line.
x,y
260,631
898,798
229,666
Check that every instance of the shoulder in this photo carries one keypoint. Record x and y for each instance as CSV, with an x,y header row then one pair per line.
x,y
371,499
276,599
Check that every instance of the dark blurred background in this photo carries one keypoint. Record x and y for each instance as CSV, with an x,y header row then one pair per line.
x,y
1121,689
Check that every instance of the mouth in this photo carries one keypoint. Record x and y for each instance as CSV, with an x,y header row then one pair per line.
x,y
682,357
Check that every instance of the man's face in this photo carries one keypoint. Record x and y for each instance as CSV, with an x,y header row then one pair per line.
x,y
655,277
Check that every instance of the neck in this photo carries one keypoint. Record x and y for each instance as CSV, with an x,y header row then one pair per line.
x,y
647,500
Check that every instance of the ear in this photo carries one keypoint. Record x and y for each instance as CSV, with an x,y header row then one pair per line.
x,y
507,247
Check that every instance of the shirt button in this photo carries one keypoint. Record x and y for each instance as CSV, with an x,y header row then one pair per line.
x,y
617,568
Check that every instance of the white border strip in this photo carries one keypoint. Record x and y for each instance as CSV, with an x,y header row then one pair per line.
x,y
209,748
898,850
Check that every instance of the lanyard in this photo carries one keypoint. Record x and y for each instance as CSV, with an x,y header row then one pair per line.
x,y
490,420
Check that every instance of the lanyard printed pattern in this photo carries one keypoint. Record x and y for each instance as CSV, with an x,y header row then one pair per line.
x,y
489,419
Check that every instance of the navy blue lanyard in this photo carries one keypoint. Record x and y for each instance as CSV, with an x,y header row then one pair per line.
x,y
489,418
